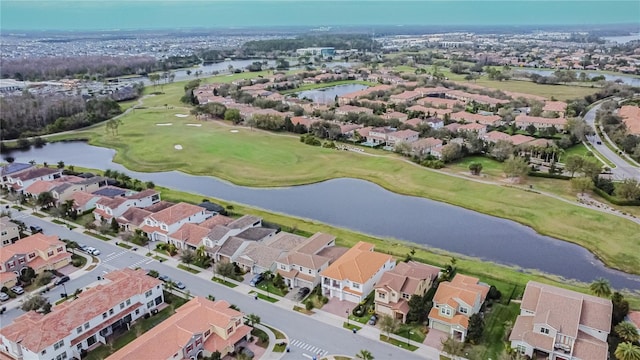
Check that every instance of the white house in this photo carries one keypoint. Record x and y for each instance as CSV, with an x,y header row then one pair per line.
x,y
71,327
354,274
159,225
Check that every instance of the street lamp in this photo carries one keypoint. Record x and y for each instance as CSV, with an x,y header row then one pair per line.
x,y
347,317
65,290
409,333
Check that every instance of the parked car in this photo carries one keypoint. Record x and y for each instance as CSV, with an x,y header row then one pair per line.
x,y
82,247
61,280
180,285
35,229
164,278
18,290
4,296
256,280
373,320
303,292
93,251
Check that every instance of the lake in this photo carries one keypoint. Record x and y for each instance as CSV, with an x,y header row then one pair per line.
x,y
368,208
626,79
328,95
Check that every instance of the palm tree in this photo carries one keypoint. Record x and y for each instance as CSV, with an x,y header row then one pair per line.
x,y
365,355
600,287
627,351
253,319
627,331
170,285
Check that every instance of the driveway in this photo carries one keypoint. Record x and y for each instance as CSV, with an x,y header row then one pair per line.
x,y
339,307
434,338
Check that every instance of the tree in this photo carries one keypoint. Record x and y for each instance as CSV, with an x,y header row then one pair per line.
x,y
389,324
364,355
170,285
515,166
226,269
418,309
627,351
216,355
531,129
452,347
502,149
475,168
149,185
188,256
403,148
582,184
451,152
115,227
476,327
233,115
591,169
620,308
33,302
627,331
628,189
574,163
253,319
600,287
60,164
45,199
27,274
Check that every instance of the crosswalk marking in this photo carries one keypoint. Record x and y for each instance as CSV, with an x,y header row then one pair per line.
x,y
308,347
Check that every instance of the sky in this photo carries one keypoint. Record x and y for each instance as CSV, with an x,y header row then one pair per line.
x,y
146,14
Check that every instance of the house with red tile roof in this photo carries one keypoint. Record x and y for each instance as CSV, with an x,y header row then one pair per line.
x,y
406,136
631,117
13,168
197,329
304,120
189,236
556,323
405,97
301,266
438,102
10,231
83,201
378,135
159,225
454,302
473,127
414,122
39,252
427,146
395,115
122,297
23,179
348,130
495,135
109,208
430,111
523,121
398,286
354,274
488,120
346,109
558,107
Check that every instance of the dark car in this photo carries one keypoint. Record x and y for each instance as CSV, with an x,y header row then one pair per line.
x,y
62,280
256,280
303,292
164,278
35,229
373,320
180,285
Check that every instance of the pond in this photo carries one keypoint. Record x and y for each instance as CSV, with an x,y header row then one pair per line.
x,y
328,95
625,79
366,207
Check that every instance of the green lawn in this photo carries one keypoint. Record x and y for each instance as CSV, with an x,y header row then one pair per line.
x,y
123,245
97,236
351,326
264,297
494,328
413,332
267,285
224,282
398,343
188,268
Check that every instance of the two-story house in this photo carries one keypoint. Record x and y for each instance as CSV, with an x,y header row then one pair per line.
x,y
556,324
10,231
221,232
21,180
65,191
402,136
159,225
73,327
378,135
524,121
454,302
301,267
108,208
354,274
397,286
427,146
12,169
197,329
38,251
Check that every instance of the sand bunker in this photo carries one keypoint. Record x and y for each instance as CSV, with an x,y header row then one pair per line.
x,y
177,147
198,125
234,131
181,115
165,124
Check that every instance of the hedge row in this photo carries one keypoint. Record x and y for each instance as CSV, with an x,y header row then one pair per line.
x,y
615,200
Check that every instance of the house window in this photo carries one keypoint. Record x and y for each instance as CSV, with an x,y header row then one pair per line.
x,y
79,346
355,285
230,330
283,267
104,315
60,249
21,260
206,333
382,295
150,304
58,345
50,253
44,351
445,311
189,348
10,265
309,271
521,349
86,325
121,306
128,302
544,330
238,322
110,311
137,311
406,296
148,293
32,255
79,329
62,356
463,310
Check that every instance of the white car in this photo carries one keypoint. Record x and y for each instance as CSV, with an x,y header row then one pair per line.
x,y
92,251
18,290
3,296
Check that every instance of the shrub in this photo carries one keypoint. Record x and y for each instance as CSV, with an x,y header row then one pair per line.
x,y
44,278
309,305
161,246
76,262
325,299
433,164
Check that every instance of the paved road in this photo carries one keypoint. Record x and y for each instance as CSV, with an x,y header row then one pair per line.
x,y
308,335
623,169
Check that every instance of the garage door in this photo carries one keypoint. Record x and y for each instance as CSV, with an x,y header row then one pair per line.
x,y
440,326
350,297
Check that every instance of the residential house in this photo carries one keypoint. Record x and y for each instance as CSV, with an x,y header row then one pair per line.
x,y
83,202
631,117
427,146
397,286
354,274
495,135
9,231
109,208
113,192
558,107
405,97
437,102
259,257
159,225
435,122
378,135
234,246
453,304
473,127
395,115
523,121
347,109
220,233
132,219
406,136
73,327
12,169
414,122
18,181
301,266
65,191
556,323
39,252
304,121
348,130
429,111
487,120
197,329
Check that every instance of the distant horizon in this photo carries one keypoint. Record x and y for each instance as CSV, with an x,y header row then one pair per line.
x,y
78,16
